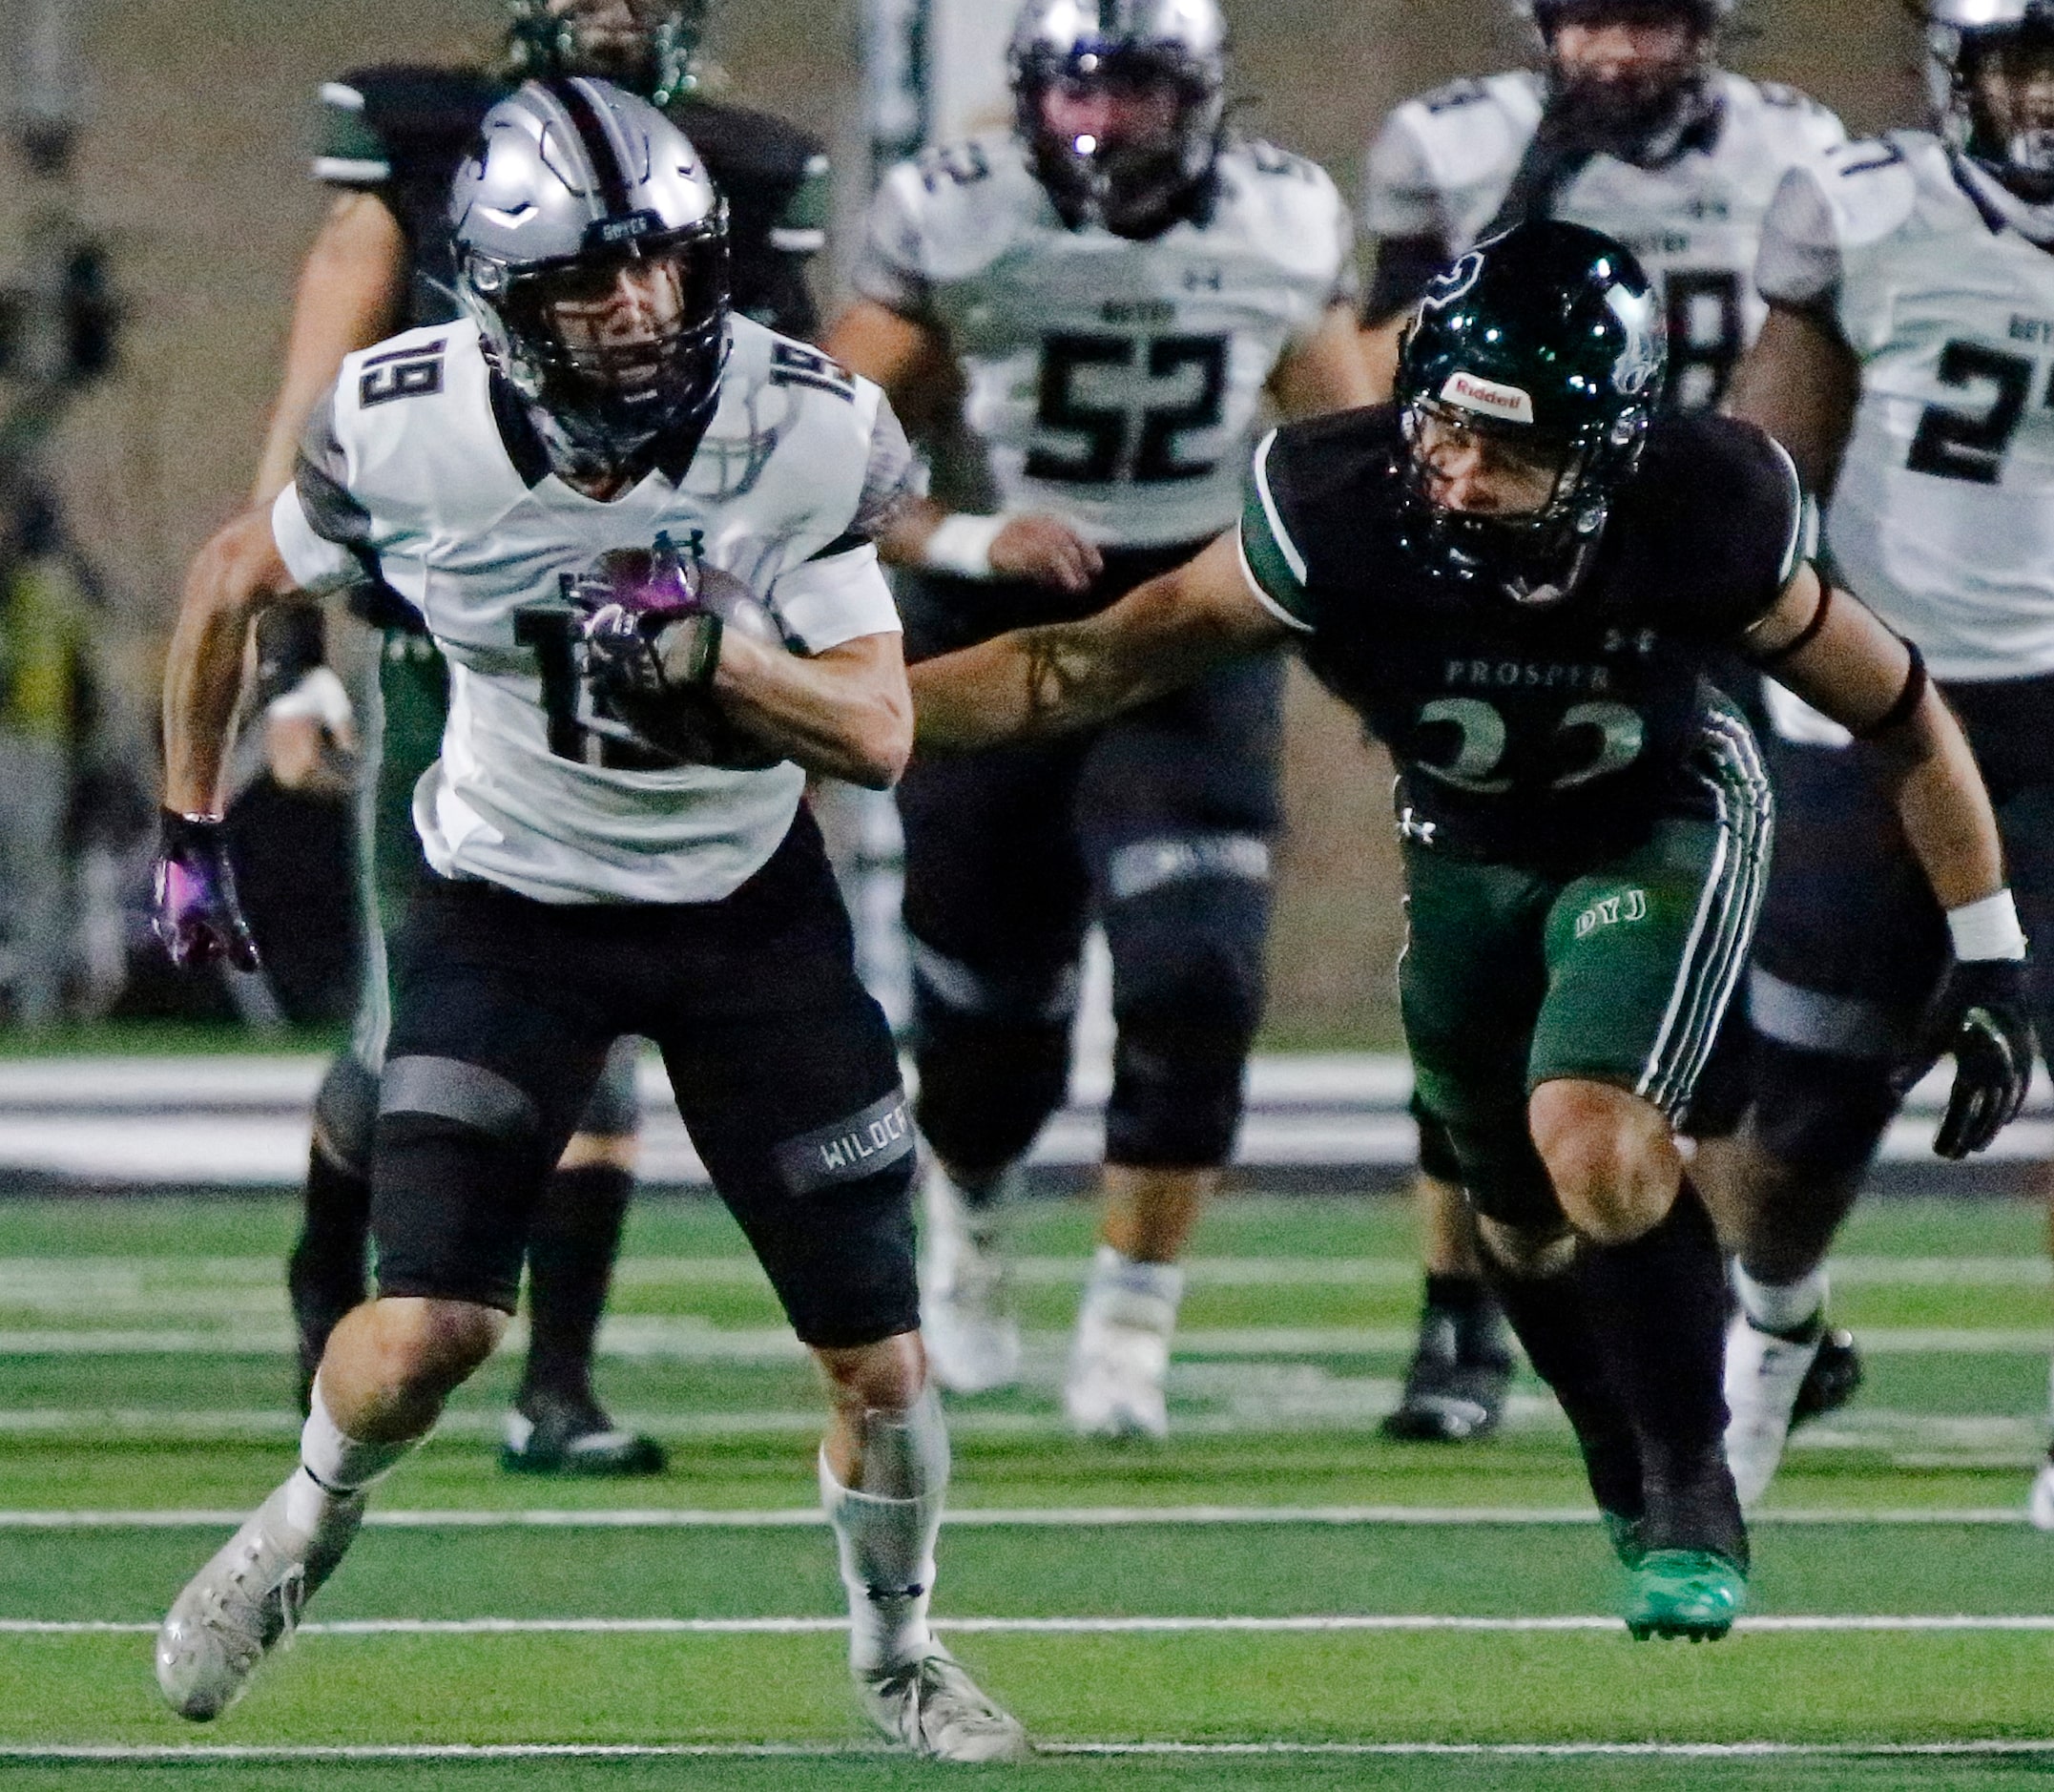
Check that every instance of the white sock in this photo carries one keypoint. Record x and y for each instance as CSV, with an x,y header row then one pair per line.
x,y
886,1537
1783,1307
1124,1292
333,1466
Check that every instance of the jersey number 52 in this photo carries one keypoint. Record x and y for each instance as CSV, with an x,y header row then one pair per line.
x,y
1136,438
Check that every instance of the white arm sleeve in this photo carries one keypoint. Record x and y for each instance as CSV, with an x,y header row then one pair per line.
x,y
1400,196
835,598
315,563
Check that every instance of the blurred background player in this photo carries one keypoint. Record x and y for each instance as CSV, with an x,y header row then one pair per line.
x,y
384,262
1906,365
1109,292
1634,128
1516,576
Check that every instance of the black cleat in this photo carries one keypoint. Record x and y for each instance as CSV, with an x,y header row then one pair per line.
x,y
550,1434
1833,1380
1449,1398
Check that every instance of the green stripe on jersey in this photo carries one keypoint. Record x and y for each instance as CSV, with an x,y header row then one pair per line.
x,y
1273,557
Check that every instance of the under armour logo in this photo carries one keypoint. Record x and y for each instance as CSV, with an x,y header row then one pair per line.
x,y
1203,280
1414,826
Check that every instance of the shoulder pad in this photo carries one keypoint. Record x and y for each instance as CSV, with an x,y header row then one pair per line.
x,y
1870,186
1289,205
1472,132
952,209
1718,502
741,145
405,105
1792,119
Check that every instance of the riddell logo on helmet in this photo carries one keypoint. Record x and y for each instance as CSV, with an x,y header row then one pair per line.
x,y
1473,392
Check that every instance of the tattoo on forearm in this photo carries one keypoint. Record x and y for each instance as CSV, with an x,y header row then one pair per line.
x,y
1053,683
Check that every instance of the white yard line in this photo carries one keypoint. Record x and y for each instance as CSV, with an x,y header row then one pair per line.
x,y
1334,1624
257,1753
687,1339
1007,1517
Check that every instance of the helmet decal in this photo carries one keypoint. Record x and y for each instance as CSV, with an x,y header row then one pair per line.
x,y
1473,392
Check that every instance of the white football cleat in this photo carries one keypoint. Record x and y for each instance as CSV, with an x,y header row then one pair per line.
x,y
934,1708
2040,1508
1121,1358
1763,1374
245,1603
965,1292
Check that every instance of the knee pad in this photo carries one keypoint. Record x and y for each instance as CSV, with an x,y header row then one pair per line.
x,y
345,1115
457,1168
1819,1114
1188,988
993,1052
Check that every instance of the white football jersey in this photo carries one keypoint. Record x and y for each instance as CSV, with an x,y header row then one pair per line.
x,y
1944,518
1115,384
409,468
1443,163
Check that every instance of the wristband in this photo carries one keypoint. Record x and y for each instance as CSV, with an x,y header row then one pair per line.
x,y
962,544
1986,929
688,653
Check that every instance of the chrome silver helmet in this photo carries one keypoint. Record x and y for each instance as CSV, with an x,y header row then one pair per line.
x,y
657,54
1959,34
571,184
1134,189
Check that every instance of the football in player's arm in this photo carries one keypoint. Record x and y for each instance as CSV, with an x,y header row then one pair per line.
x,y
392,138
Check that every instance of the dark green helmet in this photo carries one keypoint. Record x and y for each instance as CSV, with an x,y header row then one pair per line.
x,y
657,57
1547,339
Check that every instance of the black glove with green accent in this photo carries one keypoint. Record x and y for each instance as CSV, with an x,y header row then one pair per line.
x,y
1980,1020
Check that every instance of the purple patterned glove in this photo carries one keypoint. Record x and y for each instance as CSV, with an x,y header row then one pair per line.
x,y
626,607
198,916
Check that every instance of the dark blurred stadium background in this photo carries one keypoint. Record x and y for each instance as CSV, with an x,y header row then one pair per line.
x,y
194,167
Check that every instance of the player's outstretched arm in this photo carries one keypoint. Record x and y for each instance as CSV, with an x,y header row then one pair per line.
x,y
1837,656
1048,680
232,579
352,293
842,713
1800,382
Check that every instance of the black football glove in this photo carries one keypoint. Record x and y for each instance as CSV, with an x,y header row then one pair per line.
x,y
1980,1021
198,915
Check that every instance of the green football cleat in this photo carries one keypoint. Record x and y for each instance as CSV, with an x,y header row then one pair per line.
x,y
1694,1593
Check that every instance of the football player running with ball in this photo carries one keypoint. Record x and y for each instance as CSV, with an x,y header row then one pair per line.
x,y
649,652
393,138
1114,285
1906,365
1518,576
1634,128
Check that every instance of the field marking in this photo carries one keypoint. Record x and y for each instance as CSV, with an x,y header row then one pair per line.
x,y
259,1753
1000,1517
1310,1624
687,1339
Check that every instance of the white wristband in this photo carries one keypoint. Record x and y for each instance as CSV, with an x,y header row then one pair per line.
x,y
962,544
1987,930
